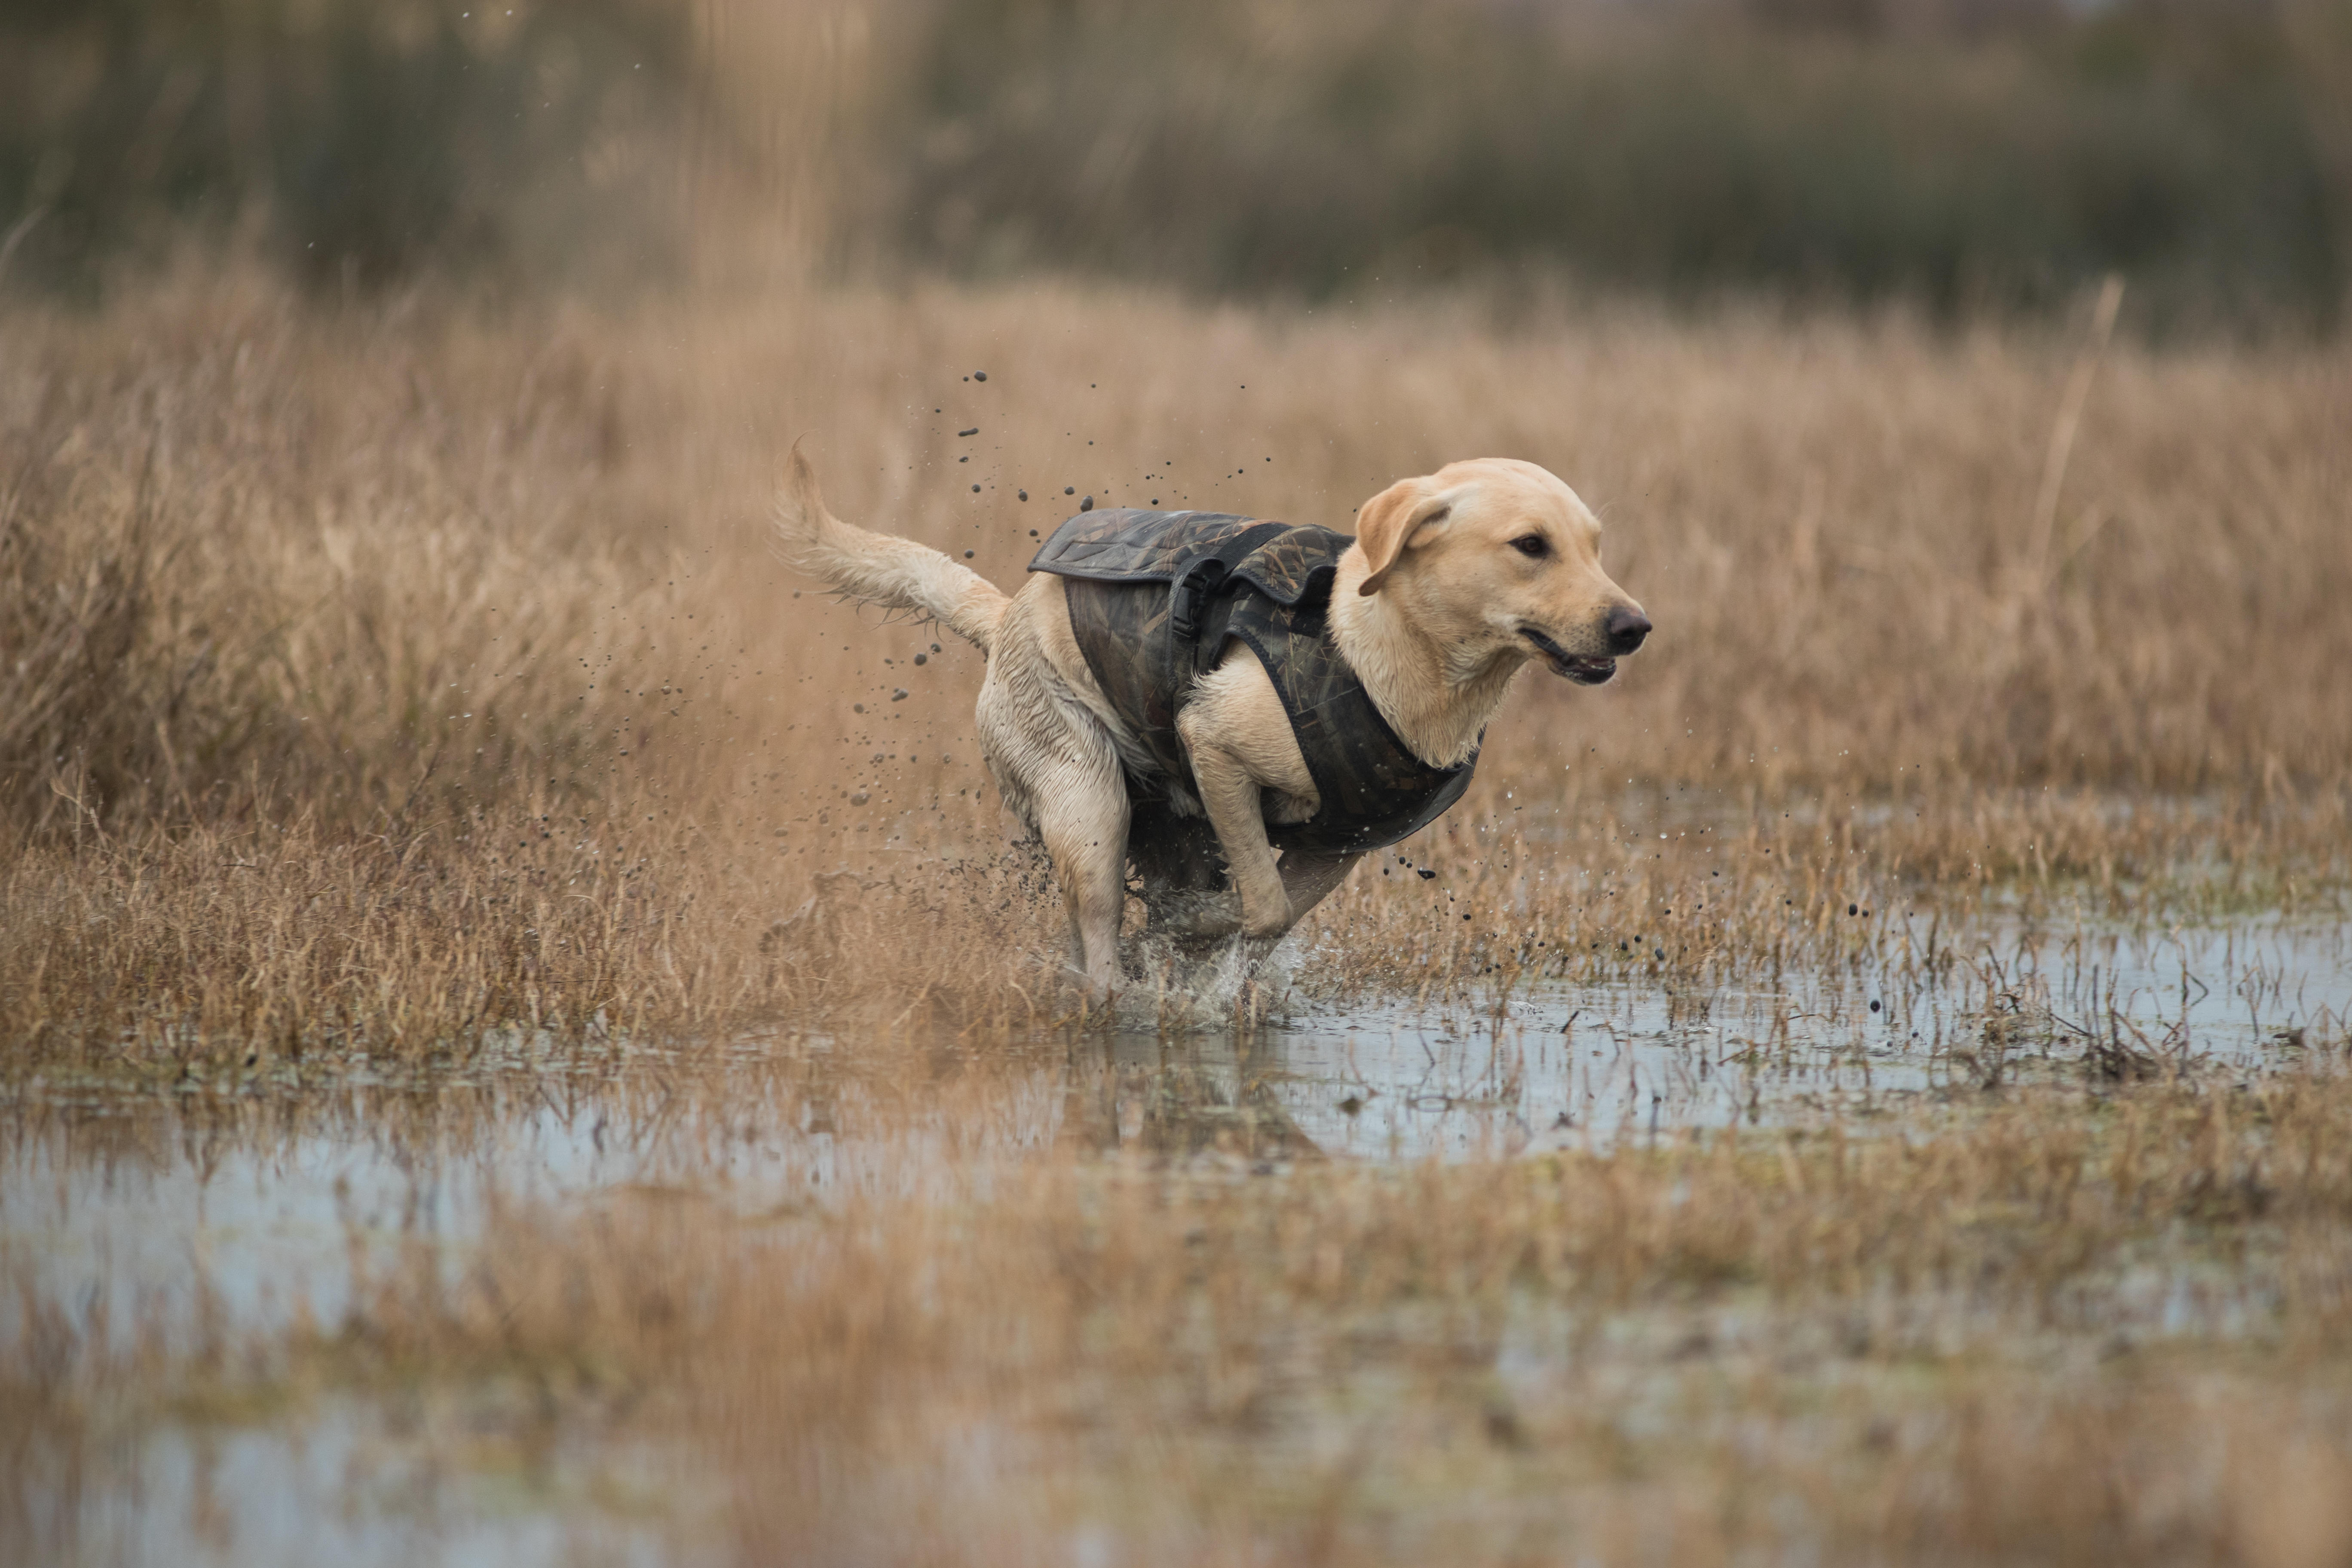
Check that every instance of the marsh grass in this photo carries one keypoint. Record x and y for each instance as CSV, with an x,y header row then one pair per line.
x,y
404,730
405,672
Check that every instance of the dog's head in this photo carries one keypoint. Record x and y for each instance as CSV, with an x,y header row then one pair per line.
x,y
1495,556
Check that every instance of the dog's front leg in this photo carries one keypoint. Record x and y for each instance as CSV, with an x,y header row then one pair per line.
x,y
1230,795
1241,745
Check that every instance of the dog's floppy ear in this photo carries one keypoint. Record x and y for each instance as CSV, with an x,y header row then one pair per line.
x,y
1390,518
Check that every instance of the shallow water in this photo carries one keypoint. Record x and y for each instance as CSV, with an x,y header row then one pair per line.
x,y
346,1485
246,1206
124,1200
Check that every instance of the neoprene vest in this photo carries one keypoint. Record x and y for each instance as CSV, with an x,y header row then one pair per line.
x,y
1154,596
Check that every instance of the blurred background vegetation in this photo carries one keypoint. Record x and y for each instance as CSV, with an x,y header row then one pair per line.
x,y
1964,155
357,139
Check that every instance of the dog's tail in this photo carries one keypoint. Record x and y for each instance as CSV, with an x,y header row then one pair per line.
x,y
880,568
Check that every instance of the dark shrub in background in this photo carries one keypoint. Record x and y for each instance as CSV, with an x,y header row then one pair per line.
x,y
1969,155
358,137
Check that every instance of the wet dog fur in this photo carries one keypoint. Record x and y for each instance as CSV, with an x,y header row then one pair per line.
x,y
1456,580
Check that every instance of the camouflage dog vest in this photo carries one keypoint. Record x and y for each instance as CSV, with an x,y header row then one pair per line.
x,y
1154,596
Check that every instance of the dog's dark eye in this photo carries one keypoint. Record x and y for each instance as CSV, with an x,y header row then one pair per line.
x,y
1531,546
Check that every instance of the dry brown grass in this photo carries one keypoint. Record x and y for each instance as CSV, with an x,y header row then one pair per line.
x,y
397,674
402,730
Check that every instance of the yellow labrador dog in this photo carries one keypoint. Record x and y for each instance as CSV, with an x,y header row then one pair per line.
x,y
1383,655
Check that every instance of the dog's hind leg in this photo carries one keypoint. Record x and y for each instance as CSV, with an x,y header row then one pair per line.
x,y
1086,832
1059,769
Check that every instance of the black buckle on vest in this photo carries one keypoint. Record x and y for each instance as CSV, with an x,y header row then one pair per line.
x,y
1189,600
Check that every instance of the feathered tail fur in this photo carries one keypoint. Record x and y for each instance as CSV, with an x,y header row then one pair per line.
x,y
880,568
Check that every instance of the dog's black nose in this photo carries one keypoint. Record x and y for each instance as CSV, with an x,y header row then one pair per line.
x,y
1627,627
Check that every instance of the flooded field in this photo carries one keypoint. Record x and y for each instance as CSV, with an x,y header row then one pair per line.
x,y
230,1258
525,1036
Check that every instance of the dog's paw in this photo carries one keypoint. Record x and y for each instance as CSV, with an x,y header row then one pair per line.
x,y
1096,988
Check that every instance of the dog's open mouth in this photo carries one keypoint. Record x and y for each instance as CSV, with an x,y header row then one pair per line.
x,y
1583,671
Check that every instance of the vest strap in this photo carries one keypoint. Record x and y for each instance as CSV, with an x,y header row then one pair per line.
x,y
1209,576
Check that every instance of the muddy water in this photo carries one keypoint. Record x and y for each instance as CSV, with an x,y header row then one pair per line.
x,y
232,1208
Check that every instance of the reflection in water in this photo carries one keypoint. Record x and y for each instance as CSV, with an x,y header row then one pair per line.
x,y
358,1486
264,1191
191,1217
1182,1100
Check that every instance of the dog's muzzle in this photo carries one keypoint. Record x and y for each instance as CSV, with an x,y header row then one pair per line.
x,y
1579,668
